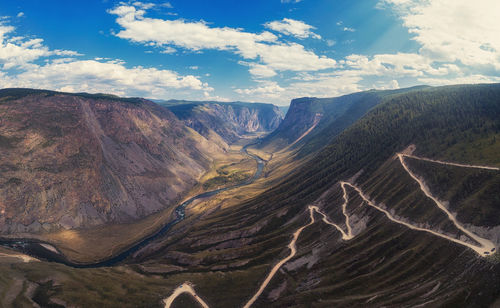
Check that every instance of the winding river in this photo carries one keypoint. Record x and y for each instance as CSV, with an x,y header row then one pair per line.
x,y
39,250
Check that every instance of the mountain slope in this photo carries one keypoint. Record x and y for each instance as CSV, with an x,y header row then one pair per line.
x,y
315,121
228,120
71,161
402,248
386,263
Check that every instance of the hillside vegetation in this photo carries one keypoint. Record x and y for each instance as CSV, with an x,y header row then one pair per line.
x,y
328,116
386,264
228,244
444,123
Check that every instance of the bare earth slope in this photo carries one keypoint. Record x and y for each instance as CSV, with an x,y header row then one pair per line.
x,y
72,161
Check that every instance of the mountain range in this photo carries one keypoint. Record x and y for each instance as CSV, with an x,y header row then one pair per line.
x,y
374,199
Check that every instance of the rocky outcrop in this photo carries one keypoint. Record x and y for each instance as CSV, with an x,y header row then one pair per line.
x,y
70,161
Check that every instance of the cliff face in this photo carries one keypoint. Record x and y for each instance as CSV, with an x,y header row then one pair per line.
x,y
318,120
229,120
78,160
249,118
304,113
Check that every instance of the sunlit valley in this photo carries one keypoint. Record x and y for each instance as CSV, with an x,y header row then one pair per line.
x,y
304,153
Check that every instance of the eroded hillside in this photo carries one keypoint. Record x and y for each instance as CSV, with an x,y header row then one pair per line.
x,y
73,161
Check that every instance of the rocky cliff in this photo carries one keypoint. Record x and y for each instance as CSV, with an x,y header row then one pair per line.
x,y
228,120
71,161
303,115
313,122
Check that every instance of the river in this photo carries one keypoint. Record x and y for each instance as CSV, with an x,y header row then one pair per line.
x,y
35,248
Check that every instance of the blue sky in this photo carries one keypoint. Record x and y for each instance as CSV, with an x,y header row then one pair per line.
x,y
268,51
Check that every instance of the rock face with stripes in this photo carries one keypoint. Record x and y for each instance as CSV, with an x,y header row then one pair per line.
x,y
230,120
71,161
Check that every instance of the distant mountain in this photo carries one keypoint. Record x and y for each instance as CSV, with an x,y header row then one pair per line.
x,y
228,120
80,160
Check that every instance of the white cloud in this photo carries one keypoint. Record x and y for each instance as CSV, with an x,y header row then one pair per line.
x,y
292,57
144,6
290,1
327,86
196,36
267,90
20,14
293,27
469,79
330,43
168,50
189,35
261,71
111,76
394,84
107,77
207,96
400,64
323,85
347,29
61,71
16,51
453,30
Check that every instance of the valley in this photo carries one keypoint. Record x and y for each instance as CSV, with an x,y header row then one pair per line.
x,y
250,154
44,250
333,207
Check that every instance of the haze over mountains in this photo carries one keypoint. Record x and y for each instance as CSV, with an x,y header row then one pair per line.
x,y
388,198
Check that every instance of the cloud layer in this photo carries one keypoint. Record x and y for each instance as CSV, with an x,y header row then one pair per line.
x,y
21,65
453,30
458,39
265,48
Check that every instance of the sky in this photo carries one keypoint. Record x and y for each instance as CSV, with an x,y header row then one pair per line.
x,y
257,51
